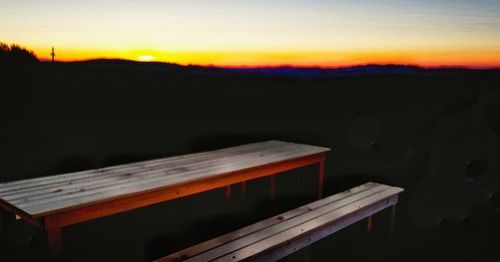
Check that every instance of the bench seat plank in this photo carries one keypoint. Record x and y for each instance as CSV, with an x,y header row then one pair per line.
x,y
50,194
283,234
210,244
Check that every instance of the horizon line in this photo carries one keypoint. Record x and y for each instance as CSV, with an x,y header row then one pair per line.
x,y
271,66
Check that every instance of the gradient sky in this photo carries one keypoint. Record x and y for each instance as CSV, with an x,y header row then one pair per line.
x,y
260,32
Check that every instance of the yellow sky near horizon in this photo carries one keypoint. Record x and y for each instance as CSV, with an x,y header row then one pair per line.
x,y
298,58
260,33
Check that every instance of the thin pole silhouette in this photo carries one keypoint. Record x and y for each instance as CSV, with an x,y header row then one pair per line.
x,y
53,54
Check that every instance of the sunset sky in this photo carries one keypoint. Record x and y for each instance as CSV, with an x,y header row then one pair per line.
x,y
325,33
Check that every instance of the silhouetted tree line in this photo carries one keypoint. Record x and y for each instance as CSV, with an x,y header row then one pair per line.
x,y
15,54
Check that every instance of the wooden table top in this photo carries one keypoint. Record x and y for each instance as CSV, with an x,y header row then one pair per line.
x,y
46,195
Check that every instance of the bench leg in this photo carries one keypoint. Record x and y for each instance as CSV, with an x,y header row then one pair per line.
x,y
228,192
393,220
272,192
54,240
243,189
321,178
370,224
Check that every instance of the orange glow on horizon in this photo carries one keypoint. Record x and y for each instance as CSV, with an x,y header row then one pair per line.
x,y
323,59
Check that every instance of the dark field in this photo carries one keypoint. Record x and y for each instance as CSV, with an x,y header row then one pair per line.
x,y
436,135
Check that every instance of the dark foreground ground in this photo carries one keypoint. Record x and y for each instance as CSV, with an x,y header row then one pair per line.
x,y
436,135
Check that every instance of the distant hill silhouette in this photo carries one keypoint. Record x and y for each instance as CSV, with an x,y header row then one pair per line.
x,y
15,54
285,71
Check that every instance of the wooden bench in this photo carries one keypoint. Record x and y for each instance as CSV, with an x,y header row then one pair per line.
x,y
276,237
51,203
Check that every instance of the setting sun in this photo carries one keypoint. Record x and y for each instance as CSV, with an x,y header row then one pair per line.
x,y
146,58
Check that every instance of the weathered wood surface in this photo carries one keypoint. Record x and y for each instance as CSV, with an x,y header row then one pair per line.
x,y
276,237
48,195
145,198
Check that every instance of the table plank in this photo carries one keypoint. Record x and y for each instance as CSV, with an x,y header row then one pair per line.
x,y
145,184
128,177
36,183
81,213
131,180
45,195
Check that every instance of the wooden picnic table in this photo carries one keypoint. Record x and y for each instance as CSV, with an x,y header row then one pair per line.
x,y
54,202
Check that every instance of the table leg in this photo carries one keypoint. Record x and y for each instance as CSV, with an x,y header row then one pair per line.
x,y
243,189
228,192
54,240
321,178
5,219
306,253
370,224
273,188
393,220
